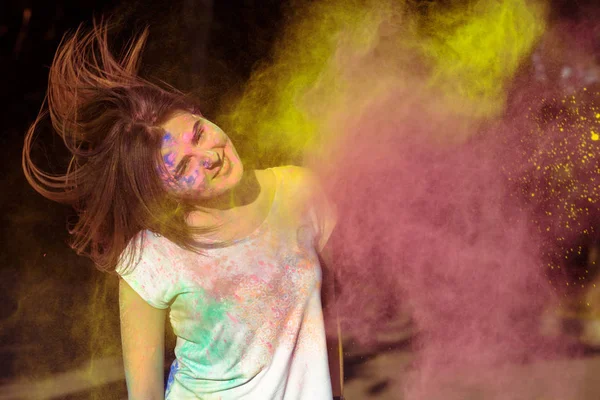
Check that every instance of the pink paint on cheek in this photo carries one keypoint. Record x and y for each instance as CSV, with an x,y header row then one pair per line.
x,y
187,137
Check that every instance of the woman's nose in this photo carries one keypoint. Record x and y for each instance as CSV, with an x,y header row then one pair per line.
x,y
214,137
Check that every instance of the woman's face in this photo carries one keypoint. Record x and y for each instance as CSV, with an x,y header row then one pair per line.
x,y
200,160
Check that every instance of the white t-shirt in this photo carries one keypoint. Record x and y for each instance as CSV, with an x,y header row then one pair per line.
x,y
248,317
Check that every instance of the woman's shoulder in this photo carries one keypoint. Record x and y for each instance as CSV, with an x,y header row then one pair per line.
x,y
293,174
145,246
297,185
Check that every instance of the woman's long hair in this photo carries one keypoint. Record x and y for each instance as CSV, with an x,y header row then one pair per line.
x,y
109,119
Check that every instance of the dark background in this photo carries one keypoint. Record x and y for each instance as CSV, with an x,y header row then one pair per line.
x,y
48,294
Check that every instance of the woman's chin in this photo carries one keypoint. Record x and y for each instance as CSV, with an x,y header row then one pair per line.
x,y
218,192
230,177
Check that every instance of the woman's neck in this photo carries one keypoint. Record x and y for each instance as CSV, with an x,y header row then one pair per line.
x,y
241,211
244,194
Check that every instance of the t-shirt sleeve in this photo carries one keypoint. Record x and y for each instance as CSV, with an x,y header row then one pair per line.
x,y
146,267
322,211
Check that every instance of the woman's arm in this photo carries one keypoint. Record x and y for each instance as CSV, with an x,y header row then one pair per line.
x,y
334,343
142,337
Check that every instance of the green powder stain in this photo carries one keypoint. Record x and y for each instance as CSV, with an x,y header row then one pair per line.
x,y
202,314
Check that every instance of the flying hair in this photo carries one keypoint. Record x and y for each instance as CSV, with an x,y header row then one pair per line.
x,y
110,120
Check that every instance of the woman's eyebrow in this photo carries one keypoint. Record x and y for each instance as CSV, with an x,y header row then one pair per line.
x,y
181,163
196,128
185,158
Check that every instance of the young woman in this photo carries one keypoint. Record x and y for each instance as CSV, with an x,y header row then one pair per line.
x,y
163,200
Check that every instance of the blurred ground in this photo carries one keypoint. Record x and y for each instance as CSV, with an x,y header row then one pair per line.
x,y
378,375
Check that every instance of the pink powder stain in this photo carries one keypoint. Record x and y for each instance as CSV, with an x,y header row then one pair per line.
x,y
231,317
438,230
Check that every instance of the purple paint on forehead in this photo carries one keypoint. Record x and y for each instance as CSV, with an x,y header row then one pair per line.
x,y
169,159
167,138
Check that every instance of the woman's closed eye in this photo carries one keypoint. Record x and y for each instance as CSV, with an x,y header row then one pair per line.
x,y
182,167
